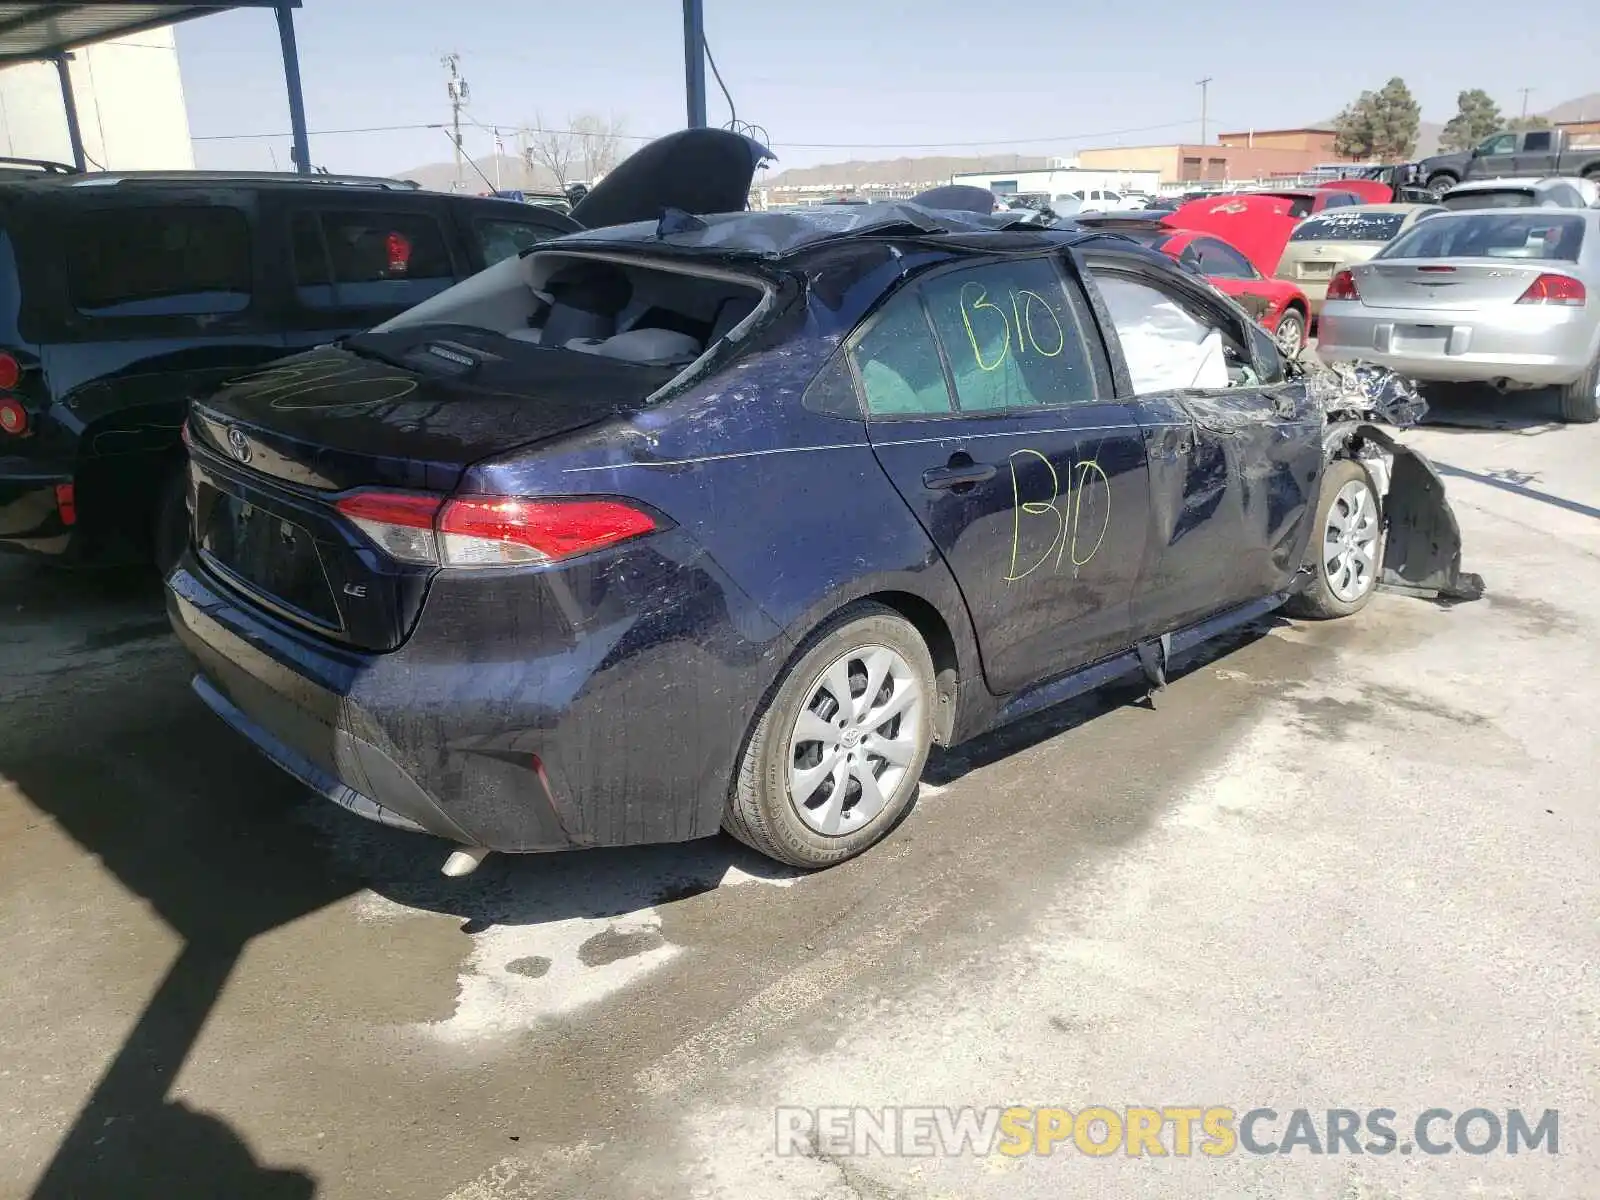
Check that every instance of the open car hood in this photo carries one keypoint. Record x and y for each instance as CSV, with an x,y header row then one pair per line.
x,y
697,171
1256,226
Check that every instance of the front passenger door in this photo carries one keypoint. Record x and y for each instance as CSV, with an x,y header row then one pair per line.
x,y
989,405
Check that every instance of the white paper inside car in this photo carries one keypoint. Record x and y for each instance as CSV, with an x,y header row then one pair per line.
x,y
1165,346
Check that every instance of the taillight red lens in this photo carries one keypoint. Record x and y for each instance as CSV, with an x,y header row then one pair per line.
x,y
67,503
1555,289
13,417
1343,287
10,372
490,531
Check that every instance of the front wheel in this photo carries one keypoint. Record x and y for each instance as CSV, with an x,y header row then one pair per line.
x,y
1346,554
835,758
1441,183
1291,334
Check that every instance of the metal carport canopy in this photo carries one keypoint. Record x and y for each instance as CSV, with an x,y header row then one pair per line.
x,y
50,30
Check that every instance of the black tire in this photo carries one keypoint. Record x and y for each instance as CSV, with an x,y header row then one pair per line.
x,y
169,533
1580,400
1295,319
1318,601
761,813
1441,182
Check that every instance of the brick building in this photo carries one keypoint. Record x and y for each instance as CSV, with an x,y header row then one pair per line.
x,y
1255,154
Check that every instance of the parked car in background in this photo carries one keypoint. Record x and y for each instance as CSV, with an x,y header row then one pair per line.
x,y
1098,200
1534,152
1278,306
1367,191
1303,202
1515,193
125,295
1510,298
523,566
1321,246
1256,224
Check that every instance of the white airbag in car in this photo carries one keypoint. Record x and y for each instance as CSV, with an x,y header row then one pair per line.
x,y
641,345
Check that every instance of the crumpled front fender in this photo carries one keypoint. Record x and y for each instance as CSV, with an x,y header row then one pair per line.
x,y
1422,551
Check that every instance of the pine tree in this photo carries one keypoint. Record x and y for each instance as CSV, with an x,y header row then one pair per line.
x,y
1380,125
1477,116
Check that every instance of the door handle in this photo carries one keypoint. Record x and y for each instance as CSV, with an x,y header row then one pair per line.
x,y
961,472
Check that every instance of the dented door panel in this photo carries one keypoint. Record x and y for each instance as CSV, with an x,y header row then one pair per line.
x,y
1233,478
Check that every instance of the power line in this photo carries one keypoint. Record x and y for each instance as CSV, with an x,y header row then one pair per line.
x,y
648,137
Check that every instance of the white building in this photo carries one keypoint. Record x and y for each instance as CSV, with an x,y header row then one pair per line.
x,y
130,106
1061,181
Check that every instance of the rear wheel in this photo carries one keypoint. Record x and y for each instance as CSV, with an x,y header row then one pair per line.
x,y
1346,554
1580,400
837,753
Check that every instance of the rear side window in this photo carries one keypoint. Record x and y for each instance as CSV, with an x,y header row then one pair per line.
x,y
159,262
365,259
1012,338
506,239
898,363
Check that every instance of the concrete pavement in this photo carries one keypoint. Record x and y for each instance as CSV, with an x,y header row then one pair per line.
x,y
1349,865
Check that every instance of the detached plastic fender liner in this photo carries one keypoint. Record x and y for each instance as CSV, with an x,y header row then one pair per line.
x,y
1422,553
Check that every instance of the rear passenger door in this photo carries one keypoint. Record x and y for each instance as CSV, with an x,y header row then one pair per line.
x,y
356,260
989,405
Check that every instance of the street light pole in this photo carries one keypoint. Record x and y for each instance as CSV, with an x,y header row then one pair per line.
x,y
694,61
1204,85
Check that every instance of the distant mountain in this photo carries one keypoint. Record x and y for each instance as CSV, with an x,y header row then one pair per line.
x,y
931,169
514,174
1584,108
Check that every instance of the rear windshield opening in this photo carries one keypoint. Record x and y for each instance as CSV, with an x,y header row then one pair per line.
x,y
1349,226
1528,234
1502,198
626,311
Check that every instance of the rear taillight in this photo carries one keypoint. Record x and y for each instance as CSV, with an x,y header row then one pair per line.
x,y
1555,289
10,372
1343,287
490,531
13,417
67,503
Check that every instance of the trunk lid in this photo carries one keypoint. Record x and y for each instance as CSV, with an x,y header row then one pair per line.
x,y
1446,285
409,410
695,170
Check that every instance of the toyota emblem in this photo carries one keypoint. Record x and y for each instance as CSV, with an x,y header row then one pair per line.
x,y
239,444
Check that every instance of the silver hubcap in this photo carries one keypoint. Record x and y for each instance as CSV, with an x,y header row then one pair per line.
x,y
1289,335
855,739
1350,543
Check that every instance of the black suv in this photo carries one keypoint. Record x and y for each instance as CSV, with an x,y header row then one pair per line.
x,y
123,296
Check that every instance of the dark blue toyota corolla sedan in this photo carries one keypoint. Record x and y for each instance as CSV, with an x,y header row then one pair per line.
x,y
720,522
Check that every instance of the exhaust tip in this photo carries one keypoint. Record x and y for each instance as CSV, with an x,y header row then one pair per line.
x,y
464,861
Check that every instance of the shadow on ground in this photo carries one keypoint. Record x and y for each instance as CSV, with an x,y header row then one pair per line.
x,y
1476,408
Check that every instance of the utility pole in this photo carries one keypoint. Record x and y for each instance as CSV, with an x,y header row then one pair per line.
x,y
459,95
1204,85
1525,92
694,61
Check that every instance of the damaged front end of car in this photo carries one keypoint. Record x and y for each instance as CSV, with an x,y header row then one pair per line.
x,y
1422,544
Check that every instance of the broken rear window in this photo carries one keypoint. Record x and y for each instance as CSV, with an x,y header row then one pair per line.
x,y
1349,226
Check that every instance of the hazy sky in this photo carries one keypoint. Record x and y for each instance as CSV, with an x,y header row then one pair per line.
x,y
836,79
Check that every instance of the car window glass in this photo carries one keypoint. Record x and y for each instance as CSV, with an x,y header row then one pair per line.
x,y
1166,345
1301,206
1537,141
1222,260
144,262
898,362
1518,234
1504,144
365,259
1012,338
505,239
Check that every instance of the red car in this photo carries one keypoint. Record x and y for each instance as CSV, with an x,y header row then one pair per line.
x,y
1306,202
1278,305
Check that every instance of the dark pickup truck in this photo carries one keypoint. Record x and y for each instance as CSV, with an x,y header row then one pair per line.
x,y
1536,152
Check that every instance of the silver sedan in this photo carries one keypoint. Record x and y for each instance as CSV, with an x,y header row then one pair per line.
x,y
1509,297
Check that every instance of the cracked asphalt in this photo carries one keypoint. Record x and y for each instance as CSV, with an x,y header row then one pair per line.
x,y
1347,865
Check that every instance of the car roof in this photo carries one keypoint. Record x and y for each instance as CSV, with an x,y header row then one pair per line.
x,y
1527,184
774,235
